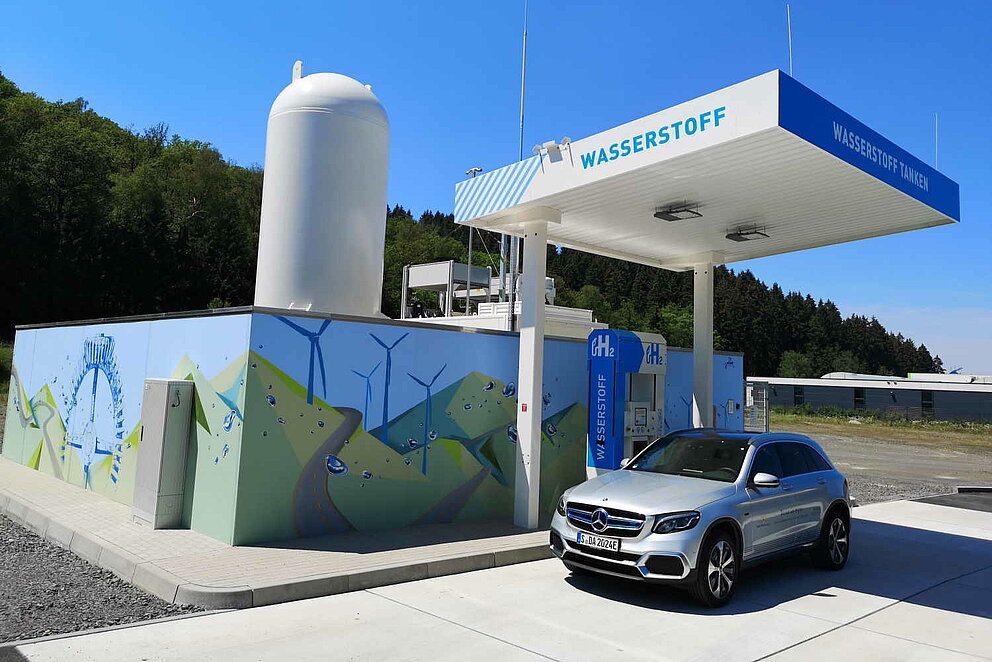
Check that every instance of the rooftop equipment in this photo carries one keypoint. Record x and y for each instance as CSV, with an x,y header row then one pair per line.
x,y
451,281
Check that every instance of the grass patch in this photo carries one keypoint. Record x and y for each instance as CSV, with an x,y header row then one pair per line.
x,y
950,435
877,419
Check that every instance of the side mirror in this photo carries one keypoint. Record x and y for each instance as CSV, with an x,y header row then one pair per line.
x,y
764,480
624,462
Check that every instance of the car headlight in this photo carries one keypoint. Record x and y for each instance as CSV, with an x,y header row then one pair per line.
x,y
675,522
561,506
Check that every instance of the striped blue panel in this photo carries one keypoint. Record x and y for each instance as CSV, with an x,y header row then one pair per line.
x,y
494,191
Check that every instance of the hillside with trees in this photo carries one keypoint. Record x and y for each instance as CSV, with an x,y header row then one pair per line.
x,y
99,220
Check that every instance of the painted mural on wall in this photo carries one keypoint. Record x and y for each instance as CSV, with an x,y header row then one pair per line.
x,y
366,426
307,426
75,405
73,428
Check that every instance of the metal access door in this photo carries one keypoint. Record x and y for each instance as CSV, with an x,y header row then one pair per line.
x,y
756,407
160,476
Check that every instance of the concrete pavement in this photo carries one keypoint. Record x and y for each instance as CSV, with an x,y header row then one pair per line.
x,y
186,567
918,587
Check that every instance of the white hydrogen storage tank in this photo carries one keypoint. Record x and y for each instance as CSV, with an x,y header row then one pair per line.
x,y
323,221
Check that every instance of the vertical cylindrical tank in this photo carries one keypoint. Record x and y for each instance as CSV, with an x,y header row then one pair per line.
x,y
323,224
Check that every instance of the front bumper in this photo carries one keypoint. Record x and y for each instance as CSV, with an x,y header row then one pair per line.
x,y
653,557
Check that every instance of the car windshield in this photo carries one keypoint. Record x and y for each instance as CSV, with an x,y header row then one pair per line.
x,y
708,456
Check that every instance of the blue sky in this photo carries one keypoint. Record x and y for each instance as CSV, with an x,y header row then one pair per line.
x,y
448,73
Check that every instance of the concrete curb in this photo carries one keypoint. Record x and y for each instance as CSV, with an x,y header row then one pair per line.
x,y
974,489
154,580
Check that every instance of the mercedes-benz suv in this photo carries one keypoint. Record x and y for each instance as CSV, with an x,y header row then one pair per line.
x,y
696,505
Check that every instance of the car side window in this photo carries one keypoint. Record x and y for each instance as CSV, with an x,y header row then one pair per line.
x,y
766,461
815,460
793,459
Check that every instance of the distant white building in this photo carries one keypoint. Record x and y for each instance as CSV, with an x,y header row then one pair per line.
x,y
919,395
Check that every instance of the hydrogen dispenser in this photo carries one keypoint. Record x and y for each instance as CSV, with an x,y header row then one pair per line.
x,y
626,395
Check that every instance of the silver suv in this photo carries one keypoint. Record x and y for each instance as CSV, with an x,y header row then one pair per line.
x,y
696,505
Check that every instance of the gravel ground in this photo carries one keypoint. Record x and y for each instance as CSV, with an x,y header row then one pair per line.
x,y
885,470
47,590
875,490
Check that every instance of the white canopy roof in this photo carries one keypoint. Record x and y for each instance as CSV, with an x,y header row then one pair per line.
x,y
767,154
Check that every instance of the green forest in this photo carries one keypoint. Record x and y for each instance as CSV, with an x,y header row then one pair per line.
x,y
99,220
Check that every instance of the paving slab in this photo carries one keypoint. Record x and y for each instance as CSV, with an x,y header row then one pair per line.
x,y
363,629
186,567
540,607
952,616
853,644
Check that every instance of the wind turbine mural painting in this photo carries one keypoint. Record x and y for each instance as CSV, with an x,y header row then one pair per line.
x,y
368,391
314,338
385,390
427,415
90,436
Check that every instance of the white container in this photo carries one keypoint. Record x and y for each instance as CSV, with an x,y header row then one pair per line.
x,y
323,223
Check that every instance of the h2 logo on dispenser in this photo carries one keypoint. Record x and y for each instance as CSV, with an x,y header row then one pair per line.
x,y
653,354
601,348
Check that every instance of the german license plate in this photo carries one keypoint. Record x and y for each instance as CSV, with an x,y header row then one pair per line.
x,y
599,542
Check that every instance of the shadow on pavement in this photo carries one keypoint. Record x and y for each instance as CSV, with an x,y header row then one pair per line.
x,y
10,654
888,561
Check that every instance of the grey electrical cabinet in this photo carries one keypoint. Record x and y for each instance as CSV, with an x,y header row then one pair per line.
x,y
166,409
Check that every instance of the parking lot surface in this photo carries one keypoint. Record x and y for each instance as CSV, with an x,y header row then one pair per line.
x,y
918,586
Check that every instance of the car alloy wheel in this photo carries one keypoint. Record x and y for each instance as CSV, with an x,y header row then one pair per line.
x,y
722,570
837,541
834,546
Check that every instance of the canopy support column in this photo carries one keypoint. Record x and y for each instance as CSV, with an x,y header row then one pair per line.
x,y
702,345
530,376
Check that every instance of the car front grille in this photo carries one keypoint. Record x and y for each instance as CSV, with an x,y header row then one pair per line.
x,y
620,523
603,564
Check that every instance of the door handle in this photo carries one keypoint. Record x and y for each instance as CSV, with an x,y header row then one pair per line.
x,y
785,486
821,481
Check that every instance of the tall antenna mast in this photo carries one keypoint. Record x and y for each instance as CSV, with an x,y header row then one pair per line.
x,y
515,241
788,16
523,85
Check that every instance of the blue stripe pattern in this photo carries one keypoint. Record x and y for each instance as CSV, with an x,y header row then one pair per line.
x,y
494,191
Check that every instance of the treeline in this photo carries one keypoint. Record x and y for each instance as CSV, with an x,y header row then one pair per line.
x,y
98,220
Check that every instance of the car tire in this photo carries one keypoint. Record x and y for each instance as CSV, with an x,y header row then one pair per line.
x,y
834,545
717,570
